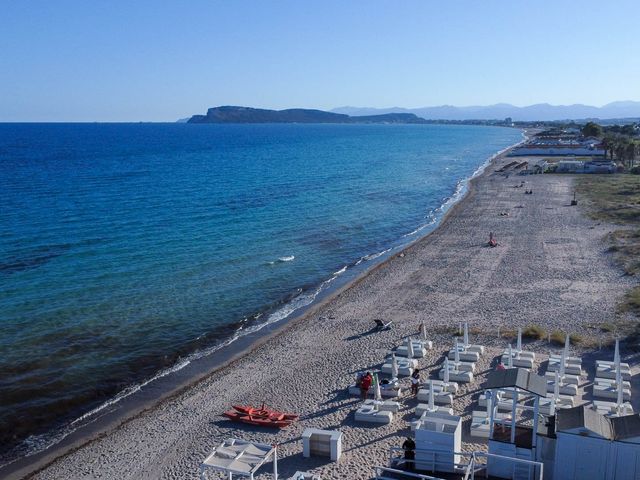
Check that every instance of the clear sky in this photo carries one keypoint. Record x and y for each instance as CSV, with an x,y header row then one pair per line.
x,y
94,60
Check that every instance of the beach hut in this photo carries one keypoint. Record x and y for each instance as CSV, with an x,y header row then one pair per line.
x,y
239,458
438,438
591,446
512,437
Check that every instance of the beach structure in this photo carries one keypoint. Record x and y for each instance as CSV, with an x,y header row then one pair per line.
x,y
413,348
466,351
322,443
554,400
372,412
456,371
620,407
511,436
239,458
405,366
572,365
431,406
564,383
438,437
590,446
608,368
519,357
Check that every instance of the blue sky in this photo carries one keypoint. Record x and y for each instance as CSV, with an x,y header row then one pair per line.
x,y
115,60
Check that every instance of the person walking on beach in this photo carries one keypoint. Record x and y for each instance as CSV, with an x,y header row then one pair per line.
x,y
365,384
409,447
415,381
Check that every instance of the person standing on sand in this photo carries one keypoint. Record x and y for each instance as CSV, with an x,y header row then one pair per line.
x,y
409,447
415,381
365,384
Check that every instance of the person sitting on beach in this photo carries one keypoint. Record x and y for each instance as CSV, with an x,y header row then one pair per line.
x,y
415,381
365,384
409,447
500,366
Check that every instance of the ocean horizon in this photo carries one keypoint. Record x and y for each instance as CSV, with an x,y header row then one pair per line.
x,y
128,249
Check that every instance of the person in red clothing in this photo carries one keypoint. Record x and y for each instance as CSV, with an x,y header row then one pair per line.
x,y
365,384
500,366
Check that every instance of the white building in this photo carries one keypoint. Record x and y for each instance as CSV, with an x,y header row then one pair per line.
x,y
590,446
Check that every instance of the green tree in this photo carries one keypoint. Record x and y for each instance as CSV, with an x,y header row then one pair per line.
x,y
592,129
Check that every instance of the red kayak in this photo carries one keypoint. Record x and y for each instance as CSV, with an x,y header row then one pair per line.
x,y
260,416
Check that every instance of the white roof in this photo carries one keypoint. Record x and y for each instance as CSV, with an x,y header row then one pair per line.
x,y
238,457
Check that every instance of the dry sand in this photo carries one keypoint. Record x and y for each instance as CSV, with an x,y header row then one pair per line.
x,y
550,269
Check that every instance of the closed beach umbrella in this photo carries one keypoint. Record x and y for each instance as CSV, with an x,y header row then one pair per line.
x,y
456,353
423,331
616,355
445,377
567,339
466,335
377,394
510,359
556,387
620,399
410,351
394,365
431,399
519,344
563,362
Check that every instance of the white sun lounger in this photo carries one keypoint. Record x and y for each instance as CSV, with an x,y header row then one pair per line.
x,y
610,381
424,407
465,355
573,365
567,379
439,397
520,354
420,348
610,408
565,389
371,414
439,386
462,366
384,405
610,391
606,369
518,361
457,375
405,366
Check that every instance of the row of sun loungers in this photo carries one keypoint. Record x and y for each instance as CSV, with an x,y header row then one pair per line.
x,y
400,362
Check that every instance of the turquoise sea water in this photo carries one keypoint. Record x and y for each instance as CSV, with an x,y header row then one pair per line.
x,y
125,248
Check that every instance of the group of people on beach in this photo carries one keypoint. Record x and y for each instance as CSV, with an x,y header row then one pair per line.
x,y
366,381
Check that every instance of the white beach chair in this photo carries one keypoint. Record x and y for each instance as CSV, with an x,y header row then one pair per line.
x,y
566,379
610,391
405,366
369,413
439,397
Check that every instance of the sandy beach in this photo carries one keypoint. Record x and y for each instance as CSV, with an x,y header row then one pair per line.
x,y
550,268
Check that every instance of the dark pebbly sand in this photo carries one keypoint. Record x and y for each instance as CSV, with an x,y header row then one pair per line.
x,y
550,268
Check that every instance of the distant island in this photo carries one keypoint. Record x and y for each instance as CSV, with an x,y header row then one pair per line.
x,y
231,114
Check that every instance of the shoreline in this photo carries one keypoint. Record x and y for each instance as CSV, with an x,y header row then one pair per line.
x,y
171,382
226,357
444,276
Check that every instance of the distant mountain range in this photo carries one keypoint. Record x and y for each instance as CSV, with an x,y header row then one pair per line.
x,y
500,111
231,114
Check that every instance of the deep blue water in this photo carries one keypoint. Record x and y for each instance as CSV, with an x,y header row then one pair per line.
x,y
124,247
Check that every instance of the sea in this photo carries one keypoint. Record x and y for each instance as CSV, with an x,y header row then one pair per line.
x,y
129,250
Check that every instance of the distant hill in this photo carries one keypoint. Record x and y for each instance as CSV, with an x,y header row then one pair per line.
x,y
231,114
500,111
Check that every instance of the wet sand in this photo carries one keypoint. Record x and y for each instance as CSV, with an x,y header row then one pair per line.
x,y
550,268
